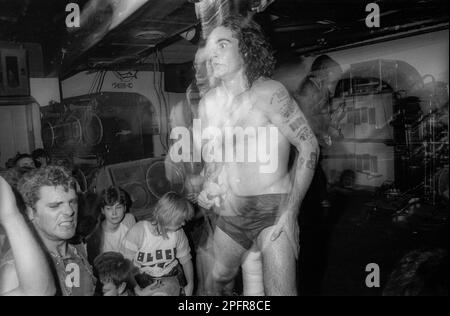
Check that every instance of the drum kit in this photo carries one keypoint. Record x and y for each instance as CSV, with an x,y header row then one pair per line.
x,y
427,148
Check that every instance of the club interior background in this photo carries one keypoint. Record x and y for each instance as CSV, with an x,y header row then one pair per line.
x,y
74,91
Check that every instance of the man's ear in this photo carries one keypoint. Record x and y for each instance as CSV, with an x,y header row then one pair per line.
x,y
30,213
122,287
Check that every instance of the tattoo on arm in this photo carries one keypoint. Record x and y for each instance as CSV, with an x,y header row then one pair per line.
x,y
305,134
292,116
285,102
300,162
312,163
288,108
281,96
297,123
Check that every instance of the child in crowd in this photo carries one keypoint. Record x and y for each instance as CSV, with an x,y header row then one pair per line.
x,y
113,225
115,274
158,246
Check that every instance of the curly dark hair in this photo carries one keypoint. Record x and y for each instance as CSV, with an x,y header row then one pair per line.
x,y
253,46
31,183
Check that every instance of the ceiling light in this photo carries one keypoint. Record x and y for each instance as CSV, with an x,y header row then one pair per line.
x,y
150,35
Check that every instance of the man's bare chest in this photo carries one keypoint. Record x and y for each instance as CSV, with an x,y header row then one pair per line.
x,y
243,112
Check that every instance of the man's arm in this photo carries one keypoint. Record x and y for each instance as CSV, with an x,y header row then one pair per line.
x,y
285,114
33,272
211,170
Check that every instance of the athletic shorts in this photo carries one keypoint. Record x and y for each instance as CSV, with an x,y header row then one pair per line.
x,y
253,215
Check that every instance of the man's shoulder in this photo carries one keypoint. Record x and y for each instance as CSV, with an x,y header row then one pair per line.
x,y
309,84
267,85
264,91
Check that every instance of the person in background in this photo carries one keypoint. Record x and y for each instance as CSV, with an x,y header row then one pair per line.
x,y
114,223
159,246
115,274
22,163
23,268
314,97
40,157
51,202
420,273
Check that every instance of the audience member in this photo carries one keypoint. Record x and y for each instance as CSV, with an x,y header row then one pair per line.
x,y
115,273
113,225
52,206
23,268
420,273
41,157
158,246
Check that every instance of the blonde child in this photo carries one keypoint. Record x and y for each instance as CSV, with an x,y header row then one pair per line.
x,y
159,247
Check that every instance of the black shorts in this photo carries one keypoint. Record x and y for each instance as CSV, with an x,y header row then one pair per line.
x,y
253,215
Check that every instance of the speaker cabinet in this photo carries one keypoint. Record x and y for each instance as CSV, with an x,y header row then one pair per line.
x,y
145,181
117,126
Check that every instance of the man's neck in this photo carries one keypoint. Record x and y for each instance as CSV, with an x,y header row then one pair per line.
x,y
57,248
236,84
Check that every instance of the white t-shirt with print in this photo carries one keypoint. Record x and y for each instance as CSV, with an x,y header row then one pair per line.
x,y
153,254
112,241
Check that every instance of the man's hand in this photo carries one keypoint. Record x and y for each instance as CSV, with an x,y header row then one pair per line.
x,y
192,197
8,206
205,201
288,224
210,196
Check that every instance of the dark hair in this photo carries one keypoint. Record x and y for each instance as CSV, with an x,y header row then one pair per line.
x,y
113,195
420,273
21,156
171,209
113,267
254,48
38,153
31,182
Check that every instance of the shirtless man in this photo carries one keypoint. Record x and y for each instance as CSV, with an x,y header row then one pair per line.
x,y
182,115
258,208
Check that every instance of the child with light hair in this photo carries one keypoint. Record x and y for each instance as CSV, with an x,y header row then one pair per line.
x,y
159,248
